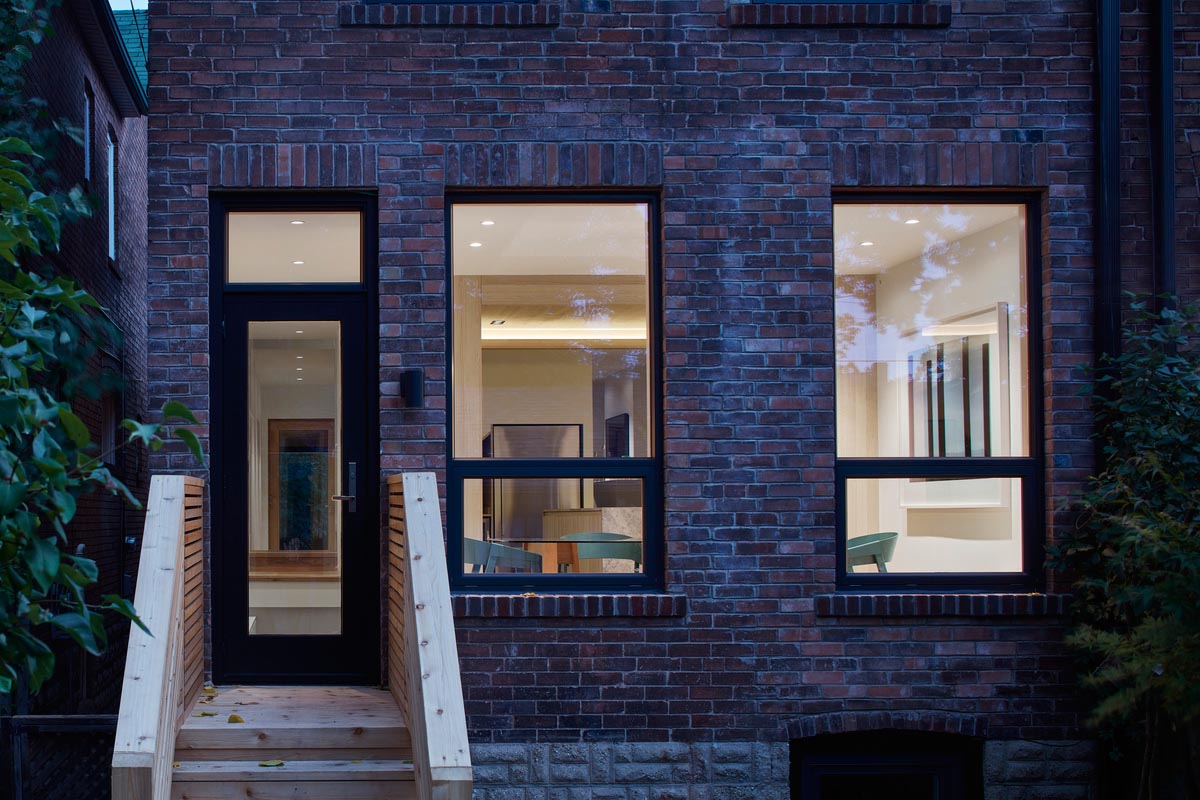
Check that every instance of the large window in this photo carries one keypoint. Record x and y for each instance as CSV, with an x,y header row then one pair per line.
x,y
554,477
937,406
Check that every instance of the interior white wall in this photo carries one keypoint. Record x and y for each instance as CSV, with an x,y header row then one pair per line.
x,y
551,387
296,607
972,274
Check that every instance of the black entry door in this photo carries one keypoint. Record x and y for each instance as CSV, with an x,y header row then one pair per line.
x,y
296,543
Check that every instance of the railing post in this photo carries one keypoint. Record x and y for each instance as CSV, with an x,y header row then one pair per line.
x,y
156,667
427,682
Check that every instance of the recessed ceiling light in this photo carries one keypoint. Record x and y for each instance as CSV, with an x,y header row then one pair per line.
x,y
299,369
488,222
297,263
913,221
299,331
867,244
299,358
299,379
496,322
297,222
476,244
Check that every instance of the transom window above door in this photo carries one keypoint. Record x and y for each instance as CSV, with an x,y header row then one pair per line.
x,y
294,247
554,469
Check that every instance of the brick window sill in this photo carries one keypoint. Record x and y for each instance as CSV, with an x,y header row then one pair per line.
x,y
569,605
940,605
839,15
453,15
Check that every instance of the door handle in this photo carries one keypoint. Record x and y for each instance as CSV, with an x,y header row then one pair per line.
x,y
351,487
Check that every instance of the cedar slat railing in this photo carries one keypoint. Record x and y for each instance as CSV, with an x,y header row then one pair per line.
x,y
422,650
164,671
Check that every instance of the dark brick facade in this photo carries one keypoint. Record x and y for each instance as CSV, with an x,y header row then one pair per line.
x,y
63,64
746,119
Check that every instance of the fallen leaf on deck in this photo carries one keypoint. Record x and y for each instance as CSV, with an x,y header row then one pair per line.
x,y
235,718
175,764
274,762
246,703
529,594
205,714
356,761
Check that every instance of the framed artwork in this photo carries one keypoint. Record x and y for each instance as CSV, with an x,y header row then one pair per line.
x,y
300,482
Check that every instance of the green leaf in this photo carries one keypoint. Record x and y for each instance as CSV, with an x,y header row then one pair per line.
x,y
12,144
10,410
79,628
113,602
86,566
147,434
77,432
11,495
193,443
64,502
42,557
173,409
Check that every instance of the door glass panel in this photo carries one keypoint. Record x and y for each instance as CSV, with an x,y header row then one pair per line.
x,y
295,247
294,452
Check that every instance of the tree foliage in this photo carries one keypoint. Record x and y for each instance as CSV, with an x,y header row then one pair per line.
x,y
1135,553
48,329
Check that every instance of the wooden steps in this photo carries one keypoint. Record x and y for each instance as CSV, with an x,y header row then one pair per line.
x,y
335,742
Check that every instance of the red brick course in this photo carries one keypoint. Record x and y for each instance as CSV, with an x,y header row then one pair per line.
x,y
746,130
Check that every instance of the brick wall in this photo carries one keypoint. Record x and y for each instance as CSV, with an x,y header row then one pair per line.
x,y
62,64
746,130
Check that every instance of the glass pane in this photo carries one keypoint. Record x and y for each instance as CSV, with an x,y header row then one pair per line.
x,y
551,315
294,452
933,525
540,525
932,330
295,247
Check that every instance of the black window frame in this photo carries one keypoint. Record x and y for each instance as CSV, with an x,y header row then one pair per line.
x,y
649,470
88,124
1029,469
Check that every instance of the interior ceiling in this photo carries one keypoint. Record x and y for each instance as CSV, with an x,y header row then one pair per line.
x,y
556,272
281,356
551,239
896,242
264,246
559,308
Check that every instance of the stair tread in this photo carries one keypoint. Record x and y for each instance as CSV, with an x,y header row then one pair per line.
x,y
297,770
298,717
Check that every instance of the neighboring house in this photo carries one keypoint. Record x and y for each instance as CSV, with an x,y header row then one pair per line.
x,y
54,745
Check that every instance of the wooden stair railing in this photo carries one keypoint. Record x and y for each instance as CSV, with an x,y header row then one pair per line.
x,y
164,671
423,672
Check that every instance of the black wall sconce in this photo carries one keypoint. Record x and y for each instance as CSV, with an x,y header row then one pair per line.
x,y
412,388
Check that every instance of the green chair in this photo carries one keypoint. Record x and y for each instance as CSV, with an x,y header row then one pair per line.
x,y
475,553
599,545
490,556
874,548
